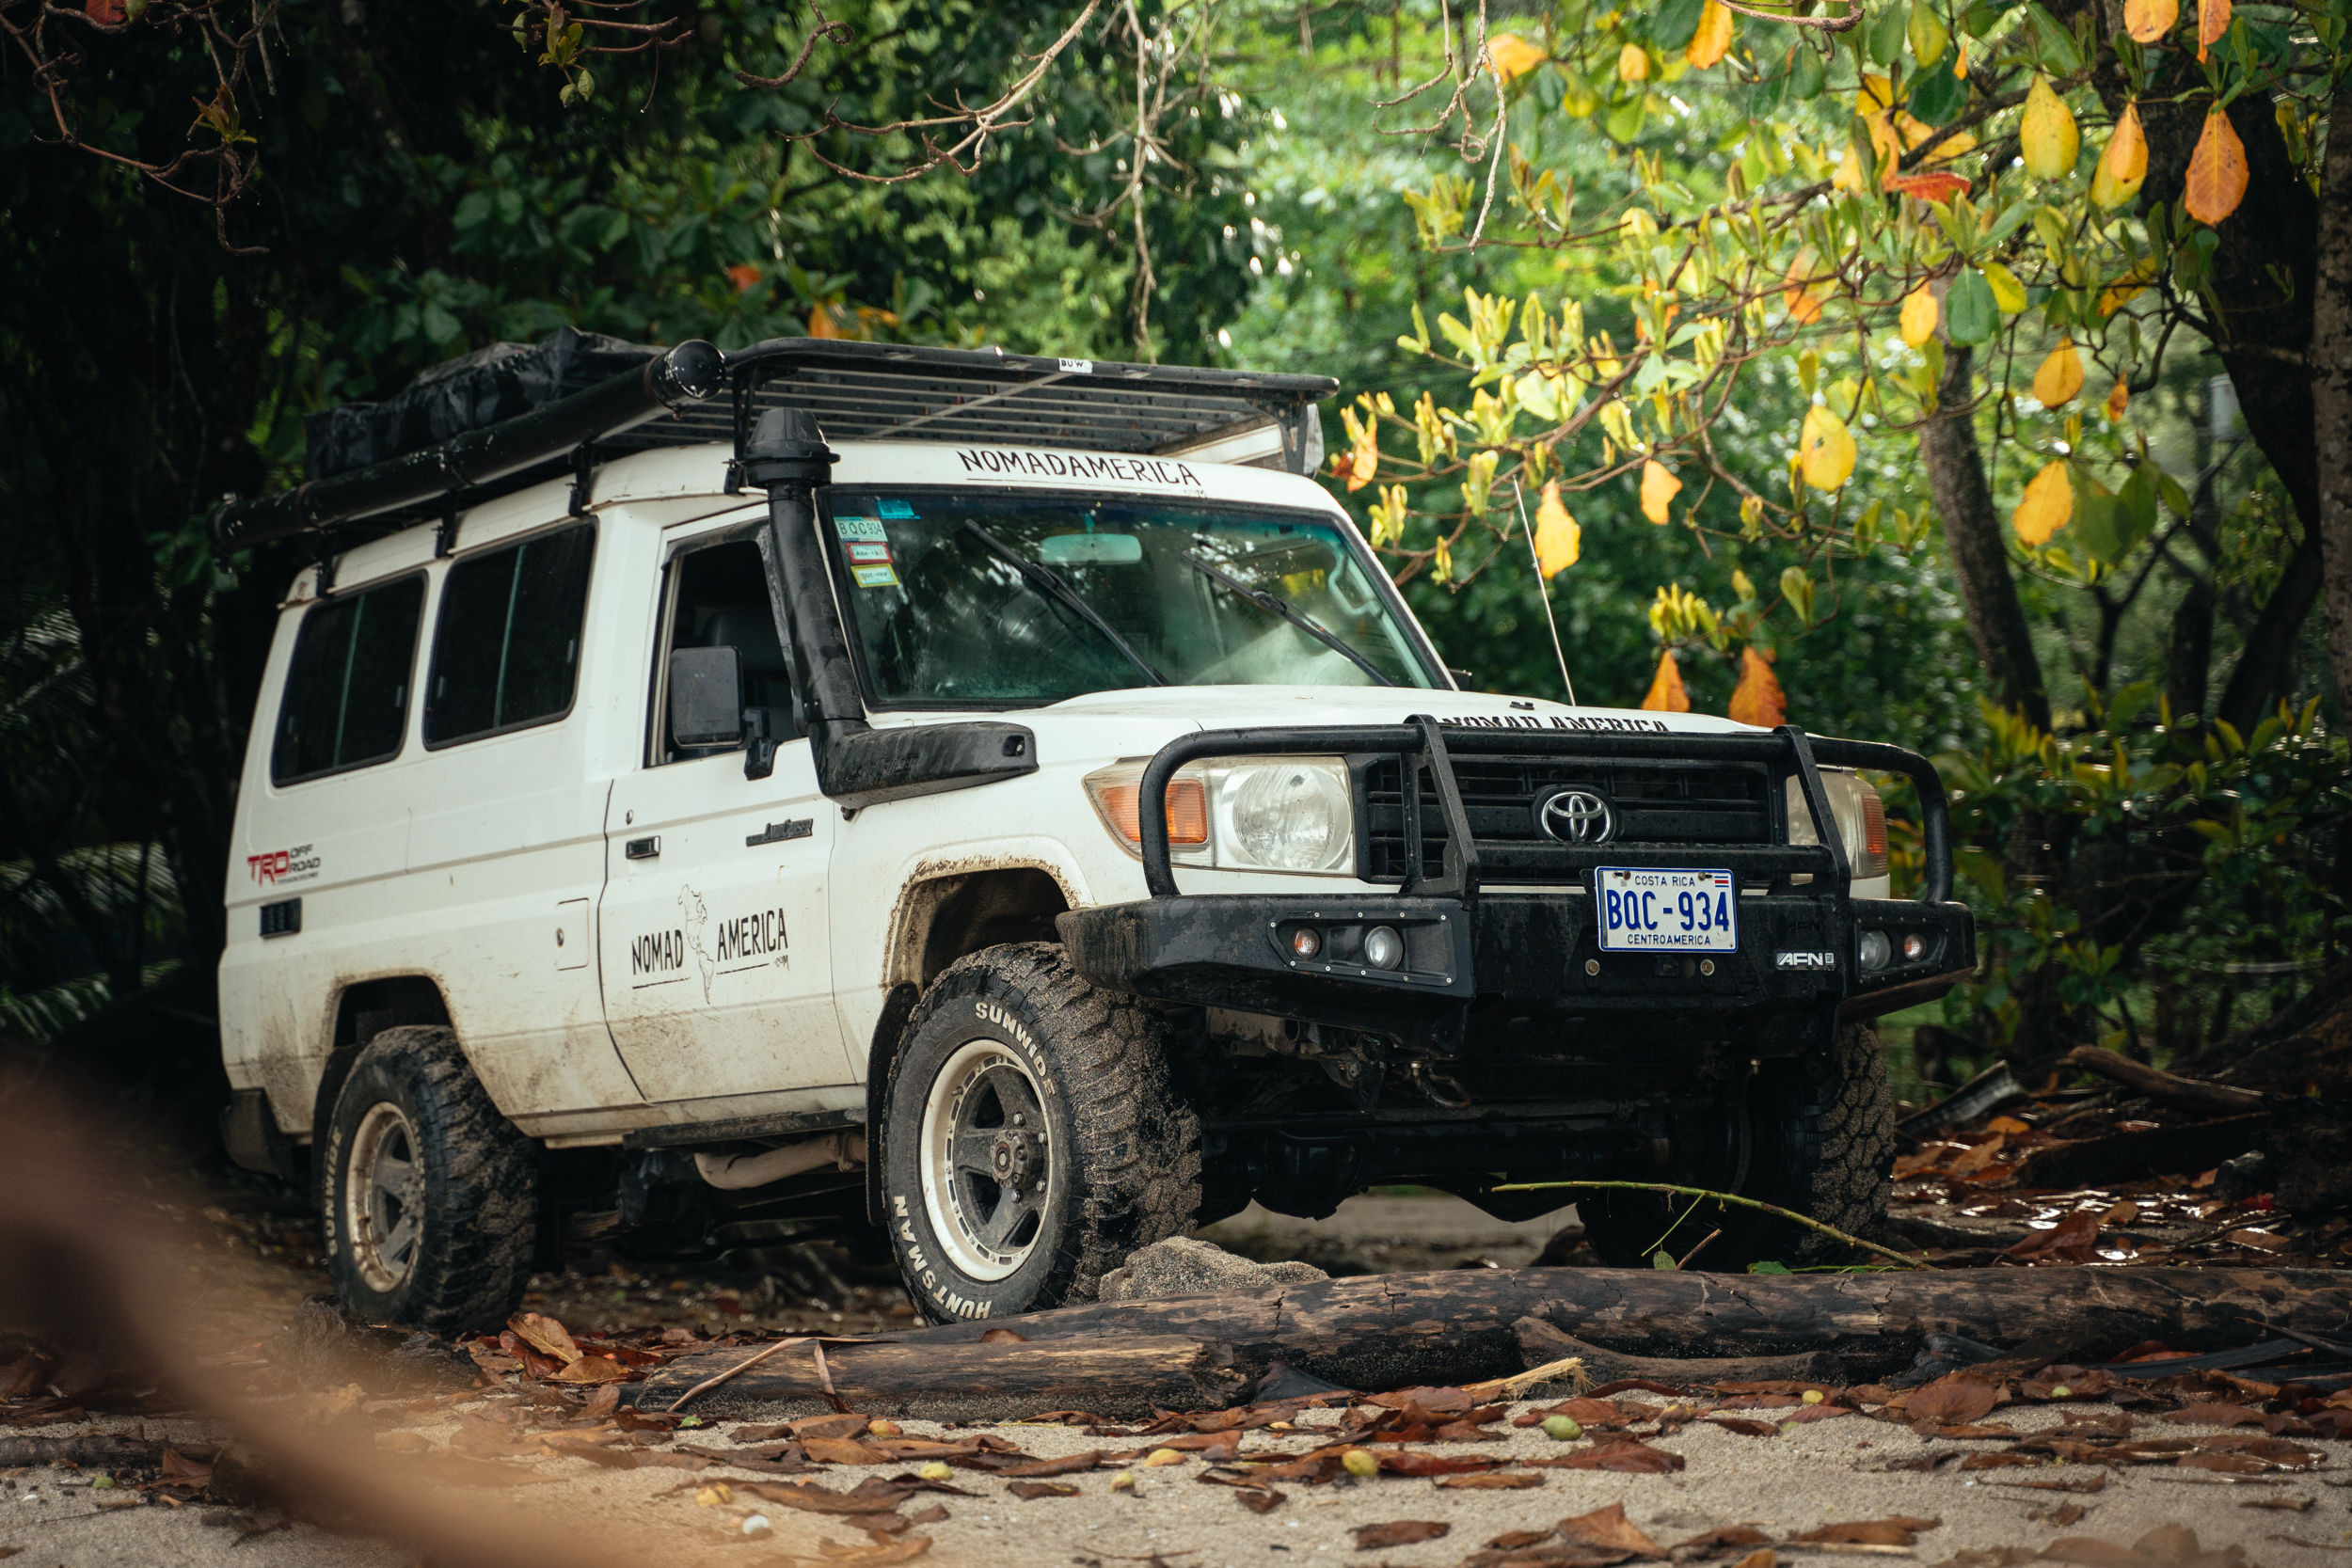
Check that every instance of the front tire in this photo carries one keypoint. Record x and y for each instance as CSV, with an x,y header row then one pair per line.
x,y
1030,1137
430,1196
1816,1136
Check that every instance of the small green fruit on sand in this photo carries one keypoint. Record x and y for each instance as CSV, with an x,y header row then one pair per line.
x,y
2061,1392
1812,1396
1562,1429
1123,1481
1359,1463
935,1471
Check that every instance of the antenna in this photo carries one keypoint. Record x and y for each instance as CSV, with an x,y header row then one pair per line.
x,y
1543,592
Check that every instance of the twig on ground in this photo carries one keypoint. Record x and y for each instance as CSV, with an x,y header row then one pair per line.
x,y
752,1360
1773,1209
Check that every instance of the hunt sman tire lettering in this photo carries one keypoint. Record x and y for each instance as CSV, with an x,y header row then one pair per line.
x,y
430,1195
1030,1137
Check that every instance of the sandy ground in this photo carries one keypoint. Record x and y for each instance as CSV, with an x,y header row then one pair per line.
x,y
1805,1477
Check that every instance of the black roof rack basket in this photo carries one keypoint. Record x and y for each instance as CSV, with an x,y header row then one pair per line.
x,y
858,391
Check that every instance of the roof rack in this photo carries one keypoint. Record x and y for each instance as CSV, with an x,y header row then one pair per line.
x,y
858,391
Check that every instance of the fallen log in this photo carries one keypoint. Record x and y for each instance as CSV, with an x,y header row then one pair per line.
x,y
915,1374
1379,1332
91,1451
2190,1094
2139,1156
1540,1343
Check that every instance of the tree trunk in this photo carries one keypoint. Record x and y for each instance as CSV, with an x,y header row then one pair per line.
x,y
1396,1331
1972,530
2331,407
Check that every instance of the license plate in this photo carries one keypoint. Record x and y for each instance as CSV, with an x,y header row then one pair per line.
x,y
1643,909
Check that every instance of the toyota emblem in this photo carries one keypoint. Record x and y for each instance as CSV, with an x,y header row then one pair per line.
x,y
1576,816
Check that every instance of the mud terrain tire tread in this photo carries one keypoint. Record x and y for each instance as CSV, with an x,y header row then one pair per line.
x,y
1135,1171
481,1178
1823,1146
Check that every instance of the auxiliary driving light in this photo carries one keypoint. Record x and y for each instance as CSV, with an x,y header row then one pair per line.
x,y
1383,948
1914,946
1306,942
1875,950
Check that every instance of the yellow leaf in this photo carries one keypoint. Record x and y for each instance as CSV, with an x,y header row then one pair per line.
x,y
2008,293
2127,283
1557,540
2213,20
1848,175
2060,375
1875,96
1802,296
1511,56
1757,699
1918,316
2123,165
2216,170
1633,63
1953,145
1825,449
2149,19
1667,693
1713,36
2118,401
2046,506
823,324
1657,488
2046,136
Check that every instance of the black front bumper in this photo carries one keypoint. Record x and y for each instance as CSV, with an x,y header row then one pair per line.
x,y
1517,956
1493,964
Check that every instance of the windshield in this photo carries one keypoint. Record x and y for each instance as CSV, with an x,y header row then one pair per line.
x,y
974,596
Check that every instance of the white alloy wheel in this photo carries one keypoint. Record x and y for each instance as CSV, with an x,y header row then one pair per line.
x,y
383,1196
987,1160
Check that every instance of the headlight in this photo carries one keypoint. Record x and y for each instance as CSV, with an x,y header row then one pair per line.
x,y
1860,815
1251,814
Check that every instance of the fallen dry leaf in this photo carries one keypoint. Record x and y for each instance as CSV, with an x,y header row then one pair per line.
x,y
1490,1480
1897,1531
2095,1481
1745,1427
1412,1462
1030,1489
2088,1551
1068,1465
2284,1505
1952,1399
817,1499
1609,1526
1004,1337
2074,1239
1512,1539
2062,1515
843,1450
1398,1532
545,1334
1625,1456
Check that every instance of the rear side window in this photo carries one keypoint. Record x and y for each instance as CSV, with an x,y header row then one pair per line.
x,y
506,649
346,700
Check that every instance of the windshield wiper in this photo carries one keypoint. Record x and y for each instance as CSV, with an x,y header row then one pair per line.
x,y
1274,604
1048,582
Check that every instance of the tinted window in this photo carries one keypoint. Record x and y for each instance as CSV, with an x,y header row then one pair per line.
x,y
722,602
506,649
347,693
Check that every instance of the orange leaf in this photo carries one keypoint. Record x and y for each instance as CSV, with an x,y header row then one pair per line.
x,y
1758,700
2118,401
2060,375
1935,186
822,324
106,13
2213,20
2048,505
745,276
1713,38
2217,169
1659,486
1509,55
1667,693
2149,19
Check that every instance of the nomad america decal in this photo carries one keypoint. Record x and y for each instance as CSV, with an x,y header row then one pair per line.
x,y
752,939
1078,466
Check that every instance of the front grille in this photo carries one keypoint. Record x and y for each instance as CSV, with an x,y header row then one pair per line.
x,y
1655,804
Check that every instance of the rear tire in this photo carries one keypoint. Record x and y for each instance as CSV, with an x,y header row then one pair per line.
x,y
1819,1141
1030,1137
430,1196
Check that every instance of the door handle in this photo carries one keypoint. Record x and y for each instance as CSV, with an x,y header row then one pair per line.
x,y
642,848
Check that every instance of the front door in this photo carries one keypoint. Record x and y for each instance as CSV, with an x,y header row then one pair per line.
x,y
716,967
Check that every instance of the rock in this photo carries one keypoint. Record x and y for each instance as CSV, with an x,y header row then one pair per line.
x,y
2248,1176
1183,1266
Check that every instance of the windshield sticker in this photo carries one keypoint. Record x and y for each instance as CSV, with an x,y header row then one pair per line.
x,y
895,509
863,530
874,576
1132,470
869,554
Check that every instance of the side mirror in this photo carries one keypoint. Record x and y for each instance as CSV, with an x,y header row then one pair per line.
x,y
706,697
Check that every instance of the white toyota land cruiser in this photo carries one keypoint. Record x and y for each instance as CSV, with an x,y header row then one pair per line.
x,y
1001,801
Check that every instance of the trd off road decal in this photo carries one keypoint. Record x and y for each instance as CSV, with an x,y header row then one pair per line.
x,y
750,941
277,867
